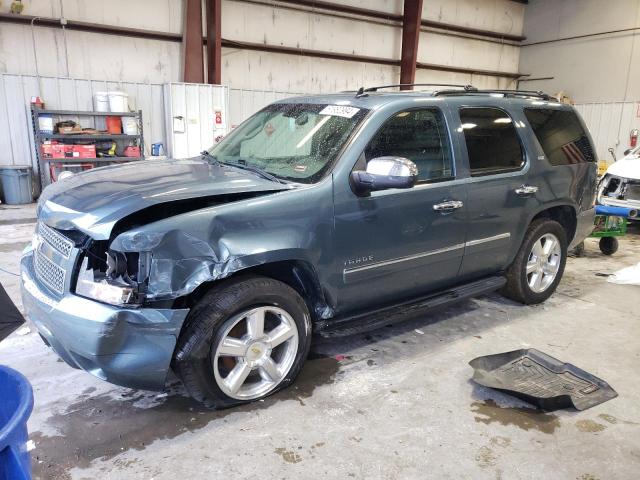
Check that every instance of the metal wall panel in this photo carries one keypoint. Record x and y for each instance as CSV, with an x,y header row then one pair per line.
x,y
190,116
610,125
16,137
244,103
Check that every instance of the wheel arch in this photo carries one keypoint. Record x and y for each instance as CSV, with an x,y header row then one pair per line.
x,y
564,214
297,274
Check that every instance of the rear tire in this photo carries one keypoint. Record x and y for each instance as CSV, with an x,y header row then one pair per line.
x,y
608,245
242,342
538,267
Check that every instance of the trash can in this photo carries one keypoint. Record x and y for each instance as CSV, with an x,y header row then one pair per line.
x,y
16,184
15,408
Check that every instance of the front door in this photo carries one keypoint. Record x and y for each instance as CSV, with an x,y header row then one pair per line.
x,y
396,244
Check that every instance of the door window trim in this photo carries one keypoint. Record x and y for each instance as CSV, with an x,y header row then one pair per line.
x,y
503,171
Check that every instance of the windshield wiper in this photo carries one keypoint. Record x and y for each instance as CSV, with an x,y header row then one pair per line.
x,y
205,153
256,170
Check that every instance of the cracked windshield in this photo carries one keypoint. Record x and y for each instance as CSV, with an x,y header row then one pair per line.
x,y
292,141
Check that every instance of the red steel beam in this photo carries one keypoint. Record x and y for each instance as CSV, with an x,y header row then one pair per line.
x,y
193,55
410,38
214,42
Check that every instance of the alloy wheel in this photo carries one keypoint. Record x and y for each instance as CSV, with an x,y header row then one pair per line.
x,y
255,353
543,262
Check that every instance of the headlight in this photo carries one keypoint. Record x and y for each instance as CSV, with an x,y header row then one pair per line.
x,y
104,290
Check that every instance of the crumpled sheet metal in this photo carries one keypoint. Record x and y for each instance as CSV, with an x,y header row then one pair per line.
x,y
180,262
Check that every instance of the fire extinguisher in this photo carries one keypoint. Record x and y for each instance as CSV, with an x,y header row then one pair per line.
x,y
633,138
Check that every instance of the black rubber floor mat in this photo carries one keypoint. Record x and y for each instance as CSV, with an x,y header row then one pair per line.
x,y
10,317
541,380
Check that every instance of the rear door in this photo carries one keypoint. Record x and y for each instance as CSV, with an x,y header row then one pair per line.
x,y
498,195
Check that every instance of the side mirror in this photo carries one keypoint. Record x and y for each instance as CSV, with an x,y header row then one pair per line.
x,y
627,152
383,173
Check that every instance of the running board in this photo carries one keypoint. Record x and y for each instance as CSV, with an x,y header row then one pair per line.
x,y
364,322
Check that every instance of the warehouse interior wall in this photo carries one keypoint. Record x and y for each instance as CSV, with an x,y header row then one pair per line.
x,y
52,63
86,55
596,67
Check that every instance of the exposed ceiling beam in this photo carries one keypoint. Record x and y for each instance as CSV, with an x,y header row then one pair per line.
x,y
176,37
261,47
193,55
214,42
91,27
411,16
369,13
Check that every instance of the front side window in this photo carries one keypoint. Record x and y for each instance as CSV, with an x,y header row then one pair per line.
x,y
560,135
492,142
292,141
419,135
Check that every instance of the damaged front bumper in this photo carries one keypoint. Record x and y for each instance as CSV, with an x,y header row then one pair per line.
x,y
131,347
617,191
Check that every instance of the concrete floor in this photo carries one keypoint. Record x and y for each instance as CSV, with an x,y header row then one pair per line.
x,y
396,403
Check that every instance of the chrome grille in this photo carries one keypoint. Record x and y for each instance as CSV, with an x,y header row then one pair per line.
x,y
57,241
49,273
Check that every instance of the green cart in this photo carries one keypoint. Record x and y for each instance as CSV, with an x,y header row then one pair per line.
x,y
610,222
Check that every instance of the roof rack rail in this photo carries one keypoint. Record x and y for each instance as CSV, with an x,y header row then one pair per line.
x,y
467,88
506,93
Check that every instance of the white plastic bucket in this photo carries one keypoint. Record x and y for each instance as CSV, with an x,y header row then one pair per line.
x,y
129,126
118,102
101,101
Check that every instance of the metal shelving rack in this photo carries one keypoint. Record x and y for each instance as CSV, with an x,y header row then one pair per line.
x,y
40,137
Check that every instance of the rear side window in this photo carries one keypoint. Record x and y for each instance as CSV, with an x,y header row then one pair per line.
x,y
419,135
561,136
492,142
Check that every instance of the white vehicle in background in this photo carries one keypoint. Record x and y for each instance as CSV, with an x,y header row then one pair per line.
x,y
620,185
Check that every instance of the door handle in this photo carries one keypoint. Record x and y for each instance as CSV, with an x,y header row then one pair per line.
x,y
448,206
524,190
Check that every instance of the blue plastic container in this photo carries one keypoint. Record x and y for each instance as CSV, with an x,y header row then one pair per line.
x,y
16,184
16,403
616,211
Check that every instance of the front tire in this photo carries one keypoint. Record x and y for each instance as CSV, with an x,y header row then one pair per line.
x,y
538,267
243,341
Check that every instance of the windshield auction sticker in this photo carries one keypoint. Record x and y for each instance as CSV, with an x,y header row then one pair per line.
x,y
339,111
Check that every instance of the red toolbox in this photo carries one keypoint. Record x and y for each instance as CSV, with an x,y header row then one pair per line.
x,y
83,151
53,150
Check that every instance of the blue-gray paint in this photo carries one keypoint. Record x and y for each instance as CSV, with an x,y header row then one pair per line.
x,y
324,226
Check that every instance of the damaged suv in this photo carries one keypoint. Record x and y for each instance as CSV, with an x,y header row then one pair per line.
x,y
323,214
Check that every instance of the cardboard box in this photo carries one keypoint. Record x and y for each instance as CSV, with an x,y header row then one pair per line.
x,y
69,129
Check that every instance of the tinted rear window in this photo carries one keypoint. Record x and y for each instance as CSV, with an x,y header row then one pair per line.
x,y
493,145
561,136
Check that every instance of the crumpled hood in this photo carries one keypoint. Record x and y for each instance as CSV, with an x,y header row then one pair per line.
x,y
95,200
627,167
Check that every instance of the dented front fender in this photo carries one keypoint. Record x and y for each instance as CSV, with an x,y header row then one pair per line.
x,y
212,243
